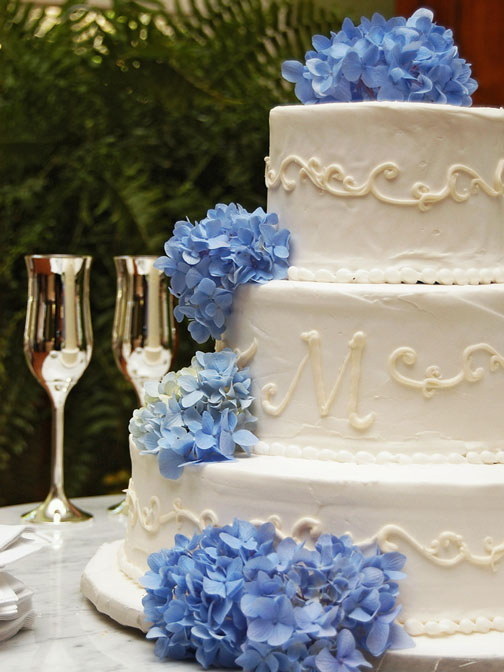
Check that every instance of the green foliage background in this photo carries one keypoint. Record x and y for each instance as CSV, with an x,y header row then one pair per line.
x,y
114,124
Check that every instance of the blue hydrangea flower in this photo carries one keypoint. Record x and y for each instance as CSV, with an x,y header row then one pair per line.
x,y
399,59
194,591
208,260
198,414
233,596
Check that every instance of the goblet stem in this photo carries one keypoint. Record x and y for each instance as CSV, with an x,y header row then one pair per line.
x,y
58,414
57,508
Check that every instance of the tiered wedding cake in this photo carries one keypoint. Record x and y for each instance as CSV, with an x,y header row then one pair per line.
x,y
378,366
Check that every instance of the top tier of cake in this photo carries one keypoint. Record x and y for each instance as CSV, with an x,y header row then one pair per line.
x,y
390,192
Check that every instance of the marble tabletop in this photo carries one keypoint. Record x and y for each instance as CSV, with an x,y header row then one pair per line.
x,y
69,635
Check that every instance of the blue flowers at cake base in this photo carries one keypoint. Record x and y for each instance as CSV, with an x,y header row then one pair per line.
x,y
234,596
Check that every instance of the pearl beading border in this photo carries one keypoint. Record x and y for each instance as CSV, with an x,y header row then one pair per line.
x,y
404,275
445,626
471,455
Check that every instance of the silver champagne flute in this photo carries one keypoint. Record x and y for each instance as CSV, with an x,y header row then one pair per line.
x,y
144,335
58,342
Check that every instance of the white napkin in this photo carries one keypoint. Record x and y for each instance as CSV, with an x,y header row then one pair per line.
x,y
16,609
10,628
16,541
14,596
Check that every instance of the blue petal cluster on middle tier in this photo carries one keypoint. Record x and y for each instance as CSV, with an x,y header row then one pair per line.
x,y
208,260
197,414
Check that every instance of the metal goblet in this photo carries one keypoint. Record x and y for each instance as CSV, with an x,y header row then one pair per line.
x,y
144,336
58,342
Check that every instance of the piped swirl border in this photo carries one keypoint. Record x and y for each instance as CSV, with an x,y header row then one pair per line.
x,y
333,180
448,549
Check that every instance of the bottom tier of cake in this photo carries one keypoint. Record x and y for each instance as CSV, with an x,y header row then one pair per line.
x,y
446,519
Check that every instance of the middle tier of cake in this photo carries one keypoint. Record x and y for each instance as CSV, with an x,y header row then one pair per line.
x,y
365,373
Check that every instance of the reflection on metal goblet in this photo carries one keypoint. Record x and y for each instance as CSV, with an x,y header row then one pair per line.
x,y
58,342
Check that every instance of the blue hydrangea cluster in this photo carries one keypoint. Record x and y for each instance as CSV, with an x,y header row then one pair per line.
x,y
399,59
232,596
208,260
197,414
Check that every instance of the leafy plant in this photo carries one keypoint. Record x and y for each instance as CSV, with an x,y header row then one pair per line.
x,y
116,123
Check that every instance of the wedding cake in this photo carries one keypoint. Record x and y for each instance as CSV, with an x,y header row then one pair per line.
x,y
377,402
377,366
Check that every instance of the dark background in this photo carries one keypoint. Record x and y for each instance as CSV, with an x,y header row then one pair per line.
x,y
478,29
116,122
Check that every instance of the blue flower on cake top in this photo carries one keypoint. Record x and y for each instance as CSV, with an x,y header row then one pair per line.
x,y
208,260
235,596
403,60
198,414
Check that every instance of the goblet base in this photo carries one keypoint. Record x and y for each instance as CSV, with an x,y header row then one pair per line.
x,y
120,507
56,509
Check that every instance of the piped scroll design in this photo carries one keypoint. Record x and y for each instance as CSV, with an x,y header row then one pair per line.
x,y
152,519
333,180
433,380
305,528
447,550
324,401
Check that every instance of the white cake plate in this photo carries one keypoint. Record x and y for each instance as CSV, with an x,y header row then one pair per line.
x,y
110,590
117,596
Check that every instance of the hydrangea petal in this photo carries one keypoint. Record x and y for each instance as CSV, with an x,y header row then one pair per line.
x,y
259,630
399,638
243,437
376,641
292,71
280,634
192,398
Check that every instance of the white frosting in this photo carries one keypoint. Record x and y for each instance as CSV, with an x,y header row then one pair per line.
x,y
390,192
415,509
334,367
